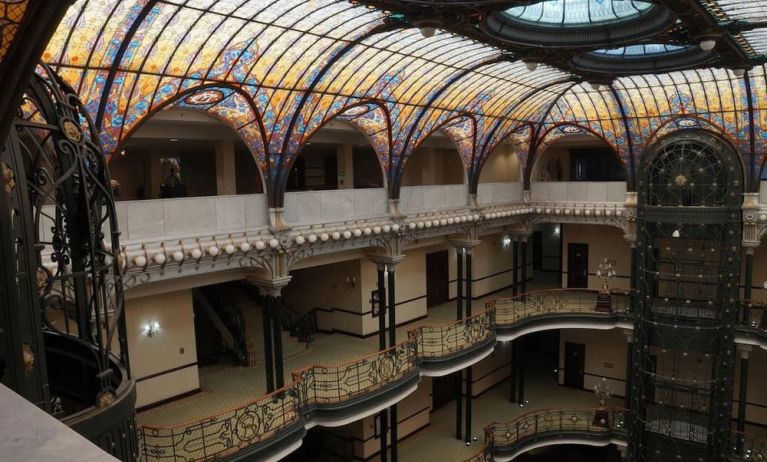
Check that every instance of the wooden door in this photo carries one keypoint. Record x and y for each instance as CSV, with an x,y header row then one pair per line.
x,y
577,266
575,364
437,278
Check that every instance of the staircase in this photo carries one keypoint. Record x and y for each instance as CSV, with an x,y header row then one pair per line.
x,y
226,318
247,300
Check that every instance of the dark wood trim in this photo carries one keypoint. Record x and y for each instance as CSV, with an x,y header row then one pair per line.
x,y
167,371
169,400
355,335
506,364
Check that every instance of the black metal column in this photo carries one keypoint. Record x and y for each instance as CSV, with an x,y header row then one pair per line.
x,y
469,378
458,317
383,416
523,283
279,369
748,282
515,267
266,312
392,342
743,394
633,280
513,358
521,373
629,368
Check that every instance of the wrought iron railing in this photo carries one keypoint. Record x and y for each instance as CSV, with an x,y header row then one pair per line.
x,y
218,436
313,387
533,426
512,310
342,383
449,339
748,447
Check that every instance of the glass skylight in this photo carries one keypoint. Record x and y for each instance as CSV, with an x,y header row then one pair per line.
x,y
650,49
579,12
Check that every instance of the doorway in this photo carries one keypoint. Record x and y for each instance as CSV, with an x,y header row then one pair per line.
x,y
577,266
437,278
575,363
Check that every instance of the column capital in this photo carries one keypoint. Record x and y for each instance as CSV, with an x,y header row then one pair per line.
x,y
744,350
464,243
388,262
272,286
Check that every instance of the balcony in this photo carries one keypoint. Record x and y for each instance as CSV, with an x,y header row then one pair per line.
x,y
594,427
420,199
273,425
578,191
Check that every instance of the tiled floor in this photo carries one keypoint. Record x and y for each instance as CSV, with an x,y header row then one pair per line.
x,y
226,386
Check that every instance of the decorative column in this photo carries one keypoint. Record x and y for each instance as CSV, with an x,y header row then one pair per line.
x,y
392,342
748,283
459,254
515,267
271,295
521,371
469,378
523,284
383,416
629,369
513,358
744,351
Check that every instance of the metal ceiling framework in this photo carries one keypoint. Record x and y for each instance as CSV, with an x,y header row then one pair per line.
x,y
277,71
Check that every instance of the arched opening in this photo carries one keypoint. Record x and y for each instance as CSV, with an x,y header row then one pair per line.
x,y
578,157
436,161
184,153
337,156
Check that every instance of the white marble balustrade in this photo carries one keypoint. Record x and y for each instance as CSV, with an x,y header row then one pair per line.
x,y
578,191
310,207
414,199
499,193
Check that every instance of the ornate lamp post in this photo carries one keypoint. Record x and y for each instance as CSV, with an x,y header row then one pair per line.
x,y
605,271
603,392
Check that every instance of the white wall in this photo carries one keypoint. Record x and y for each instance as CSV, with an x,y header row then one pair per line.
x,y
578,191
172,348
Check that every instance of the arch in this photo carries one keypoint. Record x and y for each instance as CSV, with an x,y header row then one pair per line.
x,y
370,117
520,147
559,131
655,149
251,131
696,121
257,145
408,166
461,123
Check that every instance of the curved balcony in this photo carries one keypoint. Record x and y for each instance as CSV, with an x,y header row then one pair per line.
x,y
549,427
752,324
273,425
560,309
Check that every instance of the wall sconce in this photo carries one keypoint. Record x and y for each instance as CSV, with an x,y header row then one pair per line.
x,y
556,230
506,242
151,329
351,281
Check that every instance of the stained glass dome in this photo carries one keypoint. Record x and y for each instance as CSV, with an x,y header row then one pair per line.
x,y
650,49
579,12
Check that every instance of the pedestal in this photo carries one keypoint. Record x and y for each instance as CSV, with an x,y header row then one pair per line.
x,y
604,303
601,418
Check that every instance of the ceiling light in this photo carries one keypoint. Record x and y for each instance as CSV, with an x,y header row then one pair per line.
x,y
707,45
738,72
173,140
531,65
676,233
428,31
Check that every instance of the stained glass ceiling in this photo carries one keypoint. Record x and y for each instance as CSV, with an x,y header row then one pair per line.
x,y
277,71
579,12
649,49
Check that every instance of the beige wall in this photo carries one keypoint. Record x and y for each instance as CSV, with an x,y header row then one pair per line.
x,y
491,266
335,289
606,354
492,370
760,273
433,166
502,165
172,348
604,242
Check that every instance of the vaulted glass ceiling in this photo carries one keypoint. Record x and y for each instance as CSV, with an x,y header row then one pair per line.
x,y
579,12
649,49
282,69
